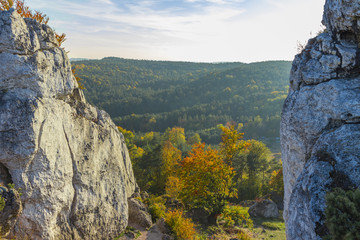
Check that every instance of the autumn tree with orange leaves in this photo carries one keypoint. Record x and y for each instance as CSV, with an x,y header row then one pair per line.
x,y
206,181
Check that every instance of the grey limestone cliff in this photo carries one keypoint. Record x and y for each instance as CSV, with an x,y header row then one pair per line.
x,y
320,130
66,155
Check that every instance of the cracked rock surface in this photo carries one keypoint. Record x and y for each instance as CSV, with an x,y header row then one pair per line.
x,y
67,156
320,125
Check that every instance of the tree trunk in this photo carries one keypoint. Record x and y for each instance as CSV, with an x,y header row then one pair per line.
x,y
212,218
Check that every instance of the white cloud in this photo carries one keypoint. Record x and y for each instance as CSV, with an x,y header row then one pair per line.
x,y
219,30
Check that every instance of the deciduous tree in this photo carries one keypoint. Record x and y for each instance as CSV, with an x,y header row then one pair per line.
x,y
231,143
206,181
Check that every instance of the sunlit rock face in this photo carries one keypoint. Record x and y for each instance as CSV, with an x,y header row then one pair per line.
x,y
67,156
320,131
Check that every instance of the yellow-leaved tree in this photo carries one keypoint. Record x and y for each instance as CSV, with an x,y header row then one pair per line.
x,y
171,157
206,181
231,142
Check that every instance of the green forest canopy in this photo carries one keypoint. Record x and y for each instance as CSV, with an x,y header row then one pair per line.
x,y
143,96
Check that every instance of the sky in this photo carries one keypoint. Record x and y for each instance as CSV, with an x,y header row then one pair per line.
x,y
184,30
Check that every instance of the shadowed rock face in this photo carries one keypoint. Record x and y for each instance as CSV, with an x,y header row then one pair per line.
x,y
10,211
67,156
320,131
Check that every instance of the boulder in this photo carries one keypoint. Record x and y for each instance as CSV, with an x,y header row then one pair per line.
x,y
265,209
160,231
320,121
67,156
138,213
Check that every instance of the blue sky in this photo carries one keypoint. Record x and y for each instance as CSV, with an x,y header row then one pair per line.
x,y
185,30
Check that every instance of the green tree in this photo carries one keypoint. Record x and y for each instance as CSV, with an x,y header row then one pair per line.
x,y
276,183
254,168
343,214
176,136
135,152
194,139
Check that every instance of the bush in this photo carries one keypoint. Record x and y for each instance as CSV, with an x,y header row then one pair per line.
x,y
243,236
236,216
2,203
183,228
156,207
343,214
157,211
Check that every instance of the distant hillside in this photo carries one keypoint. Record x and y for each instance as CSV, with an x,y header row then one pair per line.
x,y
78,59
146,96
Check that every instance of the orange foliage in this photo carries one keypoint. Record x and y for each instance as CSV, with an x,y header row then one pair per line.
x,y
60,38
206,180
276,182
6,5
183,228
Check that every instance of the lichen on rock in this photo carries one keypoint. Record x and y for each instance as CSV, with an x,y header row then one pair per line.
x,y
67,156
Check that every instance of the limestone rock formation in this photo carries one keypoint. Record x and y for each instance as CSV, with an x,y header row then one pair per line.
x,y
138,213
320,131
67,156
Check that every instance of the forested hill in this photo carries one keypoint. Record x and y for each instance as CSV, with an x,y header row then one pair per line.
x,y
144,96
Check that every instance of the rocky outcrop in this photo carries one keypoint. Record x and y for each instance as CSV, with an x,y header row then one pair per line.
x,y
138,213
160,230
66,155
265,209
320,131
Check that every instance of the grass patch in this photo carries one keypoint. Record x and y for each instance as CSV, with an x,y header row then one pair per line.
x,y
274,225
263,229
129,231
269,228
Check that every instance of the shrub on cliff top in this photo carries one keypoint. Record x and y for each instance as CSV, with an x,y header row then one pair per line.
x,y
26,12
40,17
